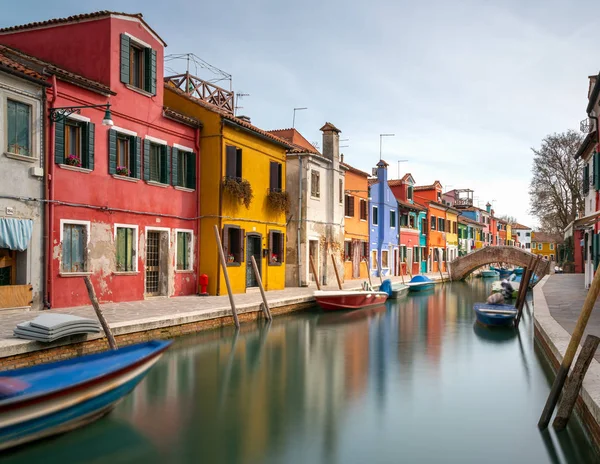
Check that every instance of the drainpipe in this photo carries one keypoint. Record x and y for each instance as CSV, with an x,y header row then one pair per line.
x,y
50,196
45,302
300,174
595,118
197,146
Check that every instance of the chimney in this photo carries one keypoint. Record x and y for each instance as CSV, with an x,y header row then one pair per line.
x,y
592,84
331,141
488,207
244,118
342,157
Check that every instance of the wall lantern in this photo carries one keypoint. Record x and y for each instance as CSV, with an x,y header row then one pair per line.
x,y
59,114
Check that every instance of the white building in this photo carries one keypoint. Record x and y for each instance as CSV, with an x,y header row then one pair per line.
x,y
523,234
315,182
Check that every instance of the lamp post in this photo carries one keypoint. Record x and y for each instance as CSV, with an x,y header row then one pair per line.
x,y
59,114
294,120
380,138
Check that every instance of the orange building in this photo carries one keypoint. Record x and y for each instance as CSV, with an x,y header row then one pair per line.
x,y
356,222
430,196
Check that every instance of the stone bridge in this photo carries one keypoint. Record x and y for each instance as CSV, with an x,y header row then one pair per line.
x,y
462,266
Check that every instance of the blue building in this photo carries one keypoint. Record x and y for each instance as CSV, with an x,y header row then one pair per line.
x,y
383,227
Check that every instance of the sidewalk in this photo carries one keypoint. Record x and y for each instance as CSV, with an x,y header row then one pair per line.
x,y
161,313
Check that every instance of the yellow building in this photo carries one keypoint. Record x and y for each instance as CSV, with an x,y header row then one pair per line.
x,y
544,244
241,188
452,233
509,236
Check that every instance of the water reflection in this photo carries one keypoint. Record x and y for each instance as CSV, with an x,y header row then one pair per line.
x,y
414,381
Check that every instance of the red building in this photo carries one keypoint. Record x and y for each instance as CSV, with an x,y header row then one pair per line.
x,y
124,202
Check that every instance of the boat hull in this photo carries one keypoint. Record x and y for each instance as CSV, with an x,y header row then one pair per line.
x,y
420,287
60,411
397,292
334,301
489,274
491,319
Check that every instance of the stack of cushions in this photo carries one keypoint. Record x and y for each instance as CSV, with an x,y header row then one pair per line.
x,y
51,327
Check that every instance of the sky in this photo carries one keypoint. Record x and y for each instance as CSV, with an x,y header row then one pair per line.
x,y
467,87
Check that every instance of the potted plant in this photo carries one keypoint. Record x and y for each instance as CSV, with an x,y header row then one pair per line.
x,y
278,201
238,188
231,259
72,160
123,171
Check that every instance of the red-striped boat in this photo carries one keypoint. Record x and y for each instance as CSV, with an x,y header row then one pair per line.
x,y
340,300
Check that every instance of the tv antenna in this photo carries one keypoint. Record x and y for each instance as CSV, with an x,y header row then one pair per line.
x,y
237,101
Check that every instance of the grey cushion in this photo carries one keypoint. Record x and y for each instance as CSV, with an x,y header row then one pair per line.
x,y
56,321
83,327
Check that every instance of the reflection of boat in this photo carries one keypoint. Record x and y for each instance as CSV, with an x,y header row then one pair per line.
x,y
44,400
493,336
495,315
419,283
398,290
348,317
489,273
336,300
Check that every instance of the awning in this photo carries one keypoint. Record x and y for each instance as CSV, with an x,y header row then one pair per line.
x,y
587,221
15,233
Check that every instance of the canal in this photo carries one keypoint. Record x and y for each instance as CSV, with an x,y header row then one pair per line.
x,y
415,381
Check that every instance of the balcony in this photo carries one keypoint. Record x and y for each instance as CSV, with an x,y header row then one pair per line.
x,y
203,90
587,125
463,202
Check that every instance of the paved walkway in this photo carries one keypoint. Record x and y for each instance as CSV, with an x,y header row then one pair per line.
x,y
161,312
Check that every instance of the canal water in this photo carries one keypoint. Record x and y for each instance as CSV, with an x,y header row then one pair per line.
x,y
413,382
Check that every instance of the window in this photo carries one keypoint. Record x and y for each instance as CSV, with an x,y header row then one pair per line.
x,y
403,220
73,143
552,246
341,190
124,157
74,246
363,210
349,206
233,162
384,259
275,177
276,247
138,64
184,168
441,224
448,226
315,183
233,245
159,166
347,250
364,250
393,219
184,250
539,246
375,215
18,135
586,178
439,196
551,257
423,225
373,259
528,234
454,227
126,248
409,192
433,222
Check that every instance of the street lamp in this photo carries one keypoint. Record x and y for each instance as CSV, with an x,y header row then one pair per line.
x,y
294,120
59,114
380,138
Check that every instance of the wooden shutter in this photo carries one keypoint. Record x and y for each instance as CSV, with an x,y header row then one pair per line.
x,y
279,176
230,161
281,247
238,162
273,172
146,159
242,240
270,246
226,241
166,160
150,70
191,170
351,208
112,151
59,142
174,166
89,147
125,58
597,171
137,141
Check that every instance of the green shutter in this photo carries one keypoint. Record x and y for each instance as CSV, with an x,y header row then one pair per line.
x,y
597,171
166,159
586,178
150,71
146,159
112,151
174,162
137,142
89,148
125,58
59,141
191,170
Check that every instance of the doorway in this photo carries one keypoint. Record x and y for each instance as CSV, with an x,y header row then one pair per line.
x,y
157,261
313,251
253,248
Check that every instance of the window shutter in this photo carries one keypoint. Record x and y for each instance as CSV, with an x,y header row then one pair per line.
x,y
270,245
166,159
112,151
90,145
242,239
226,241
59,142
279,176
282,248
146,159
273,175
174,165
238,162
125,58
597,171
351,203
138,157
230,159
191,168
150,71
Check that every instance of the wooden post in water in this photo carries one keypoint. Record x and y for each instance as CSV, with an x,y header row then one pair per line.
x,y
368,272
402,274
563,370
337,275
92,294
409,273
314,271
226,274
266,308
573,384
379,271
440,263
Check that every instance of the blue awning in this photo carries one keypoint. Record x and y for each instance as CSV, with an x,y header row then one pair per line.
x,y
15,233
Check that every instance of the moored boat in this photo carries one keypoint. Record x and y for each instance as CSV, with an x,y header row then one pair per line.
x,y
495,315
398,290
419,283
45,400
518,270
336,300
497,288
489,273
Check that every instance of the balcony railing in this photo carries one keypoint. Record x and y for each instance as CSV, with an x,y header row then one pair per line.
x,y
587,125
203,90
463,202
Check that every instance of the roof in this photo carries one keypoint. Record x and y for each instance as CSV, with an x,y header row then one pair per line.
x,y
228,117
588,142
355,170
395,182
517,226
79,18
177,116
373,181
295,138
408,205
428,187
382,164
407,176
594,95
468,221
45,68
330,127
12,66
545,238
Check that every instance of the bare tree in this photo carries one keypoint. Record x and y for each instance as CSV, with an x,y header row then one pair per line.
x,y
508,218
555,189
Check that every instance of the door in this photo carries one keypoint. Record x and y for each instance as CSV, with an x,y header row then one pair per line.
x,y
409,260
253,248
152,263
313,250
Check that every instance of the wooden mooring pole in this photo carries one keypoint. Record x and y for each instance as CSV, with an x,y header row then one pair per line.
x,y
379,272
409,272
92,294
563,370
368,272
314,271
266,308
573,384
337,275
439,253
225,273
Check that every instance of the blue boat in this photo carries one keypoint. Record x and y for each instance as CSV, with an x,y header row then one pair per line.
x,y
495,315
489,274
505,273
45,400
518,270
420,283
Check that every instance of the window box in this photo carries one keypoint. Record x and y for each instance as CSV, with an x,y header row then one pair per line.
x,y
74,168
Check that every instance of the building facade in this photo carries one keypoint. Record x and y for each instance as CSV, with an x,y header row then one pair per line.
x,y
545,244
430,197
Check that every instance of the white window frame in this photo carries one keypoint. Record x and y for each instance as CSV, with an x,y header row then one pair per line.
x,y
34,124
552,246
360,209
88,226
137,238
124,131
393,226
190,250
387,252
539,246
155,140
373,215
